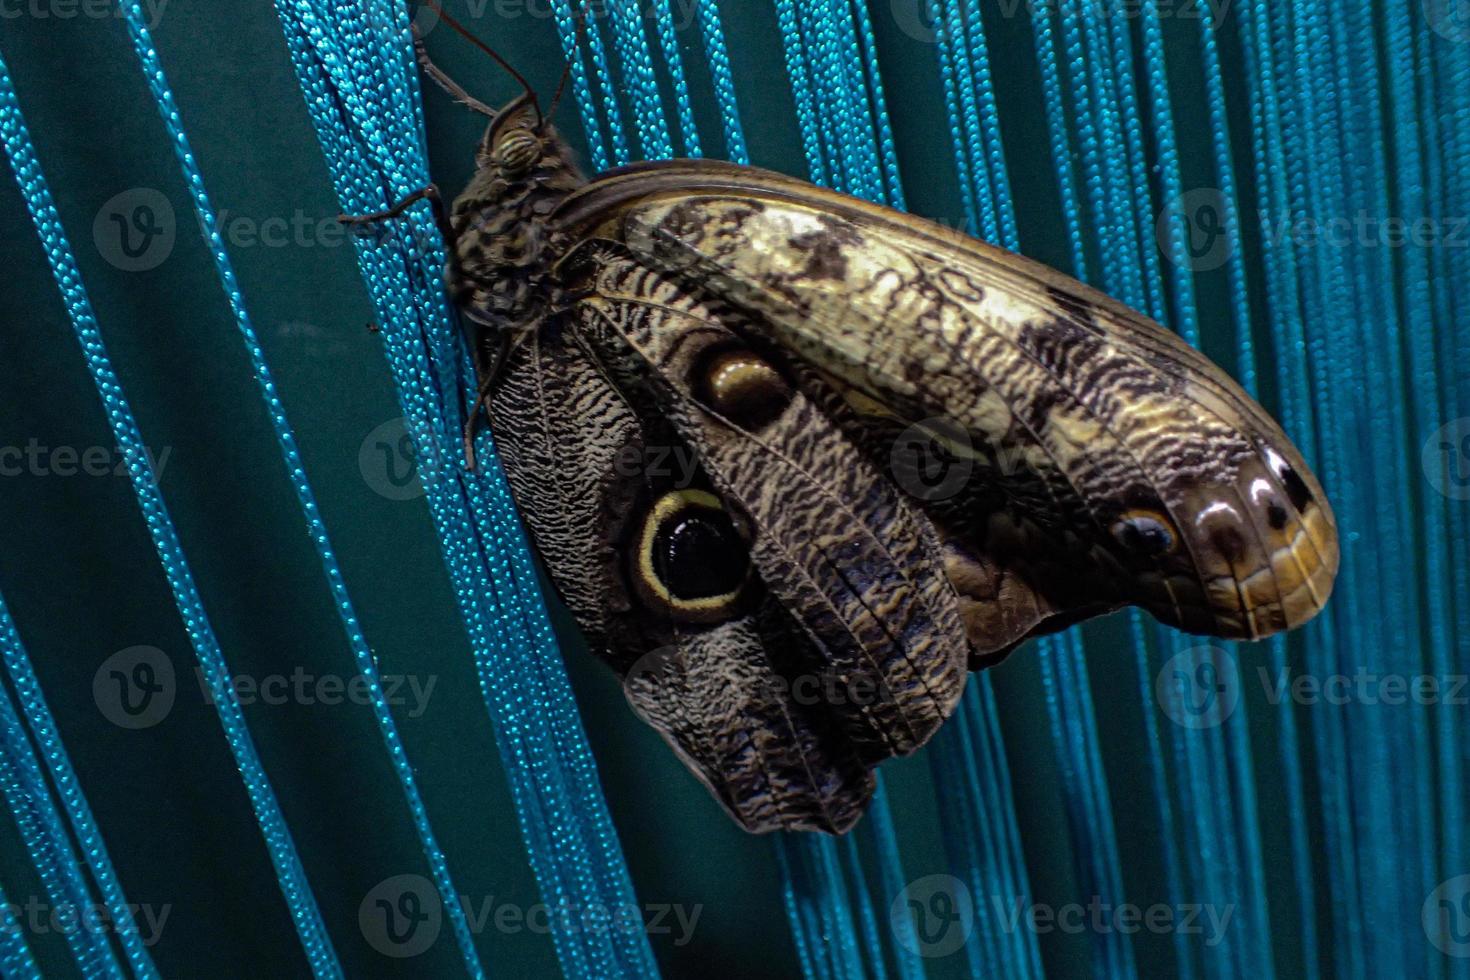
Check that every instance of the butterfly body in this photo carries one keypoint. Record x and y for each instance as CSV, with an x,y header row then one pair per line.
x,y
705,382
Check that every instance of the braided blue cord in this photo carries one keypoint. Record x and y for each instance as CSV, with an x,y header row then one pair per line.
x,y
291,455
965,826
872,935
43,831
864,92
302,905
1389,636
1451,265
1247,371
1294,296
1062,158
16,962
566,22
834,116
602,71
1407,608
64,778
639,82
959,141
1002,831
879,825
961,101
1128,134
718,55
1069,698
1439,534
801,91
669,44
360,85
887,149
799,912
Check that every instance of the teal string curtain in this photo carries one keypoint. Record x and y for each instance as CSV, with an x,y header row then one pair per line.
x,y
1285,185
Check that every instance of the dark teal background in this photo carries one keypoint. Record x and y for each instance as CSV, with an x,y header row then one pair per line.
x,y
81,577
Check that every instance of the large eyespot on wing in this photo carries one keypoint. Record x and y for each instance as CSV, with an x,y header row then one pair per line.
x,y
1104,409
688,561
829,535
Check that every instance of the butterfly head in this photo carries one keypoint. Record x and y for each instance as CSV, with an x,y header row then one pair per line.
x,y
518,140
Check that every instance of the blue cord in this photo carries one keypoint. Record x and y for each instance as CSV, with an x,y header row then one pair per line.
x,y
669,44
291,455
43,832
16,962
301,903
79,815
360,84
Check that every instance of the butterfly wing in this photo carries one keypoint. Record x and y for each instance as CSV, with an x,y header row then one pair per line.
x,y
1110,462
707,655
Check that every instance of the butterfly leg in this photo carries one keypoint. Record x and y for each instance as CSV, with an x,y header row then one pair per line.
x,y
442,79
436,203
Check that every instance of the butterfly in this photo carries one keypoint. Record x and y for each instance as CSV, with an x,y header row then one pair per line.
x,y
798,463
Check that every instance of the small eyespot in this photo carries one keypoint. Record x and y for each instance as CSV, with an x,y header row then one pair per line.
x,y
1145,533
691,562
743,387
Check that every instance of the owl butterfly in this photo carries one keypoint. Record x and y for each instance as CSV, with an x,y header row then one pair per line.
x,y
713,387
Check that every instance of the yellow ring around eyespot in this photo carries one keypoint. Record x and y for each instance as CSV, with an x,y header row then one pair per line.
x,y
665,507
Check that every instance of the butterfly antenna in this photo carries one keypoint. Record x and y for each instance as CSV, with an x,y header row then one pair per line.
x,y
566,74
468,35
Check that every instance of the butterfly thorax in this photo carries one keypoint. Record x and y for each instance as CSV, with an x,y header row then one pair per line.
x,y
501,274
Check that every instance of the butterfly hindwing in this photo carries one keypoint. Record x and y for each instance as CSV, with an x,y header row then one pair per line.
x,y
596,472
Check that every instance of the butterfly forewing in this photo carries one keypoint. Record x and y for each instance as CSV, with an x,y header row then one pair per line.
x,y
1169,487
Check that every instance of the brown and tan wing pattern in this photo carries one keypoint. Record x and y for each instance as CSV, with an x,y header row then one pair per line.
x,y
830,536
707,654
1114,464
